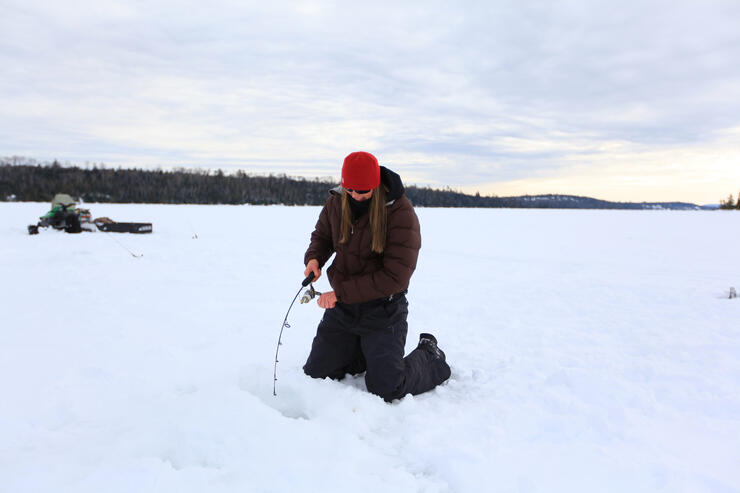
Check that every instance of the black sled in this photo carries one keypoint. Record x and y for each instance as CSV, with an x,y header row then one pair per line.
x,y
115,227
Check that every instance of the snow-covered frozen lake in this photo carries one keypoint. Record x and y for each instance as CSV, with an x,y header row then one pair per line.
x,y
590,351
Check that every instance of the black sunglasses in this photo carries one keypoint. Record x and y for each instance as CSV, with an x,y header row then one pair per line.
x,y
361,192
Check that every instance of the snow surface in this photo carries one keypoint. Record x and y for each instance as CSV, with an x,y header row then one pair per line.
x,y
590,351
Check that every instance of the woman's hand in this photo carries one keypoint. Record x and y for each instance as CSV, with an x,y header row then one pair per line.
x,y
312,266
327,300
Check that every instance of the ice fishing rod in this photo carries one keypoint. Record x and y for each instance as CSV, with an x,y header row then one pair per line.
x,y
307,296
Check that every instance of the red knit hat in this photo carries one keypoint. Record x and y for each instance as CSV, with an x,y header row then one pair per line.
x,y
360,171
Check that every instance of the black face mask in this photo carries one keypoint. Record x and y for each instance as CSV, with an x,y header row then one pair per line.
x,y
358,208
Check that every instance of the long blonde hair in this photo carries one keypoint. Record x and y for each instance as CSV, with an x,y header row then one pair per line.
x,y
377,215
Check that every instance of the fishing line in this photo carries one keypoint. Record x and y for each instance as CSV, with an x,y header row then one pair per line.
x,y
124,247
192,229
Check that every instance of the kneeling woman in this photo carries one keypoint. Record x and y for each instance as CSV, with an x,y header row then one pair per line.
x,y
372,227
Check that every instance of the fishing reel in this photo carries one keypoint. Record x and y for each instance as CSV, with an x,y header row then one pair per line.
x,y
309,294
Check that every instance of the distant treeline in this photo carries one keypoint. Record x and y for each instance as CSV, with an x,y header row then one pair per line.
x,y
39,183
27,181
730,203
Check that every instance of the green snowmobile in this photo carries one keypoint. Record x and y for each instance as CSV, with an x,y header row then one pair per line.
x,y
63,215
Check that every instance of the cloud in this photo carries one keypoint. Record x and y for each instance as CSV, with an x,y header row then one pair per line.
x,y
470,94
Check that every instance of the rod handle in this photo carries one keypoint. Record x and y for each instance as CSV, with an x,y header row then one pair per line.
x,y
308,280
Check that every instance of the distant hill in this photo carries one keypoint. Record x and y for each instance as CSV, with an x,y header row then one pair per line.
x,y
578,202
447,198
39,183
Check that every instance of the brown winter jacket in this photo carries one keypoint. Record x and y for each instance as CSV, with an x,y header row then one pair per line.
x,y
357,273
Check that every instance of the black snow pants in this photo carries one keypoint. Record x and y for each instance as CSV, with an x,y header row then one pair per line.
x,y
370,336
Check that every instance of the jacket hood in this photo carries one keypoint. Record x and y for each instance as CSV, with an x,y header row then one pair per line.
x,y
391,180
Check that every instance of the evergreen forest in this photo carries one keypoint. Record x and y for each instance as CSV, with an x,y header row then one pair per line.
x,y
28,181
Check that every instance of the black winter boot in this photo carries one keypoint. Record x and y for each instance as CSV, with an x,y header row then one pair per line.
x,y
428,343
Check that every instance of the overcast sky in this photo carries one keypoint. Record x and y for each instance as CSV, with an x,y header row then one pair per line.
x,y
615,100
